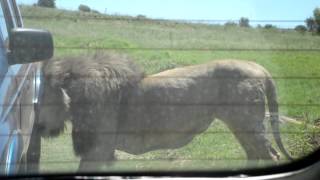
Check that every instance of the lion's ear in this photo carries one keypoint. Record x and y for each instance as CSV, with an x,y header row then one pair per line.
x,y
56,72
59,79
66,99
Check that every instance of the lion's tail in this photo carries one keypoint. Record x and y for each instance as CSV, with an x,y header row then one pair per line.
x,y
274,115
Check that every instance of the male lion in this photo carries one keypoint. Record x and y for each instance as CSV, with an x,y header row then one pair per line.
x,y
113,107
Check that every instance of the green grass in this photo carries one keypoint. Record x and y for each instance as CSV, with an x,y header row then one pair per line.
x,y
161,45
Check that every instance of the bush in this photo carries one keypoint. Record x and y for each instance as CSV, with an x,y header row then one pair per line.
x,y
270,26
84,8
301,28
95,11
141,17
244,22
47,3
230,24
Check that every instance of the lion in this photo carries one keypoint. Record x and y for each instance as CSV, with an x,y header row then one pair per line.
x,y
113,106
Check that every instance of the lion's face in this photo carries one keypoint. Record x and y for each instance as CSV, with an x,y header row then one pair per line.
x,y
52,111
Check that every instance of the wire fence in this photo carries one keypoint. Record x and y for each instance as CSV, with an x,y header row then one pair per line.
x,y
111,17
62,16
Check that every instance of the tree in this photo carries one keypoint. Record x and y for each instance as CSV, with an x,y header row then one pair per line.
x,y
316,14
311,24
84,8
301,28
47,3
244,22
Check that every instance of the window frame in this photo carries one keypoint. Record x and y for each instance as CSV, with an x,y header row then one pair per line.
x,y
3,36
8,22
16,16
4,42
7,15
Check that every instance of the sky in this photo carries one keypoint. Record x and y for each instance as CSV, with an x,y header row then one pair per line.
x,y
287,10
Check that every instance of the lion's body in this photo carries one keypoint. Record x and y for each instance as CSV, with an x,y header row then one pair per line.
x,y
168,109
116,108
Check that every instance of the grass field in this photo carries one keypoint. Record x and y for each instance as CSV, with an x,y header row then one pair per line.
x,y
160,45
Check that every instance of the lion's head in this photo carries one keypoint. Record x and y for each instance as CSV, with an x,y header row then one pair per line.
x,y
53,107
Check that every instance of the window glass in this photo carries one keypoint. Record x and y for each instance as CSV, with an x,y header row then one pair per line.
x,y
222,85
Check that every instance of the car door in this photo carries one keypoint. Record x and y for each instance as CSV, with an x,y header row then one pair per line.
x,y
4,80
26,77
8,87
16,97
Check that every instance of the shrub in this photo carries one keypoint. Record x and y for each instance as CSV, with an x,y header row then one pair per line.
x,y
244,22
141,17
259,26
84,8
269,26
47,3
230,24
95,11
301,28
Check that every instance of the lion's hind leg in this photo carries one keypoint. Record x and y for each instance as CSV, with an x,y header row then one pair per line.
x,y
244,114
249,129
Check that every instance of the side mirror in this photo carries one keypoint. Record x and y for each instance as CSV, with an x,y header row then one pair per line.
x,y
29,45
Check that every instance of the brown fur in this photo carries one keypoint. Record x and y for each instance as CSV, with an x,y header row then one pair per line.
x,y
112,107
90,88
168,109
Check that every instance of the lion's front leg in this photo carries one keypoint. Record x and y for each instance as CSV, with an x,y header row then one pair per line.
x,y
94,138
96,159
100,154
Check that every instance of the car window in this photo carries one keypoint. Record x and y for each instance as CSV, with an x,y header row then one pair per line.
x,y
178,85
